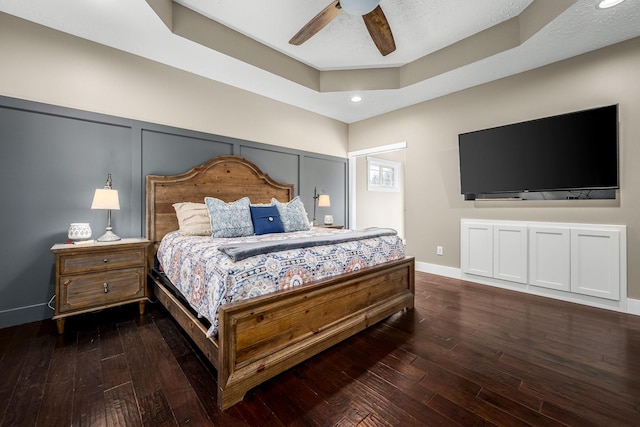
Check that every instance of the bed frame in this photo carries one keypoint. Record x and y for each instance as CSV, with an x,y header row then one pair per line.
x,y
267,335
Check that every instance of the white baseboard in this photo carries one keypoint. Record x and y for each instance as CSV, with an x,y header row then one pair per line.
x,y
440,270
632,306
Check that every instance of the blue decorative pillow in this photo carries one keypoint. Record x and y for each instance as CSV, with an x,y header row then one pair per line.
x,y
229,219
266,219
292,214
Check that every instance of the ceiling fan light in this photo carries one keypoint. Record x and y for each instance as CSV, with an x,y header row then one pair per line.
x,y
358,7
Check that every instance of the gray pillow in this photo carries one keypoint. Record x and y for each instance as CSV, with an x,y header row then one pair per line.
x,y
292,214
229,219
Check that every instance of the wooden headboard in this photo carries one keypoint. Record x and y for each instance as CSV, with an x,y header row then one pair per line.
x,y
227,178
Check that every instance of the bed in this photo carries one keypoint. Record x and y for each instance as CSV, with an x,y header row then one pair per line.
x,y
261,337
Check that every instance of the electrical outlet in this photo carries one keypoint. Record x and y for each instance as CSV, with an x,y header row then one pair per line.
x,y
439,250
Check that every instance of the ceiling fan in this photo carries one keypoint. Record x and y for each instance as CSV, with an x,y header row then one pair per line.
x,y
373,16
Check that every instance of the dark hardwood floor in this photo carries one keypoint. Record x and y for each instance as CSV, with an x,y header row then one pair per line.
x,y
466,355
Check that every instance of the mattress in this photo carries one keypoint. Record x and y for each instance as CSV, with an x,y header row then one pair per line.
x,y
207,278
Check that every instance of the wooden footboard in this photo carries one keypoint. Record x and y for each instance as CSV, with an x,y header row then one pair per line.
x,y
265,336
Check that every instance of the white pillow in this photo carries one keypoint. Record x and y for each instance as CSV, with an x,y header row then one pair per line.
x,y
193,218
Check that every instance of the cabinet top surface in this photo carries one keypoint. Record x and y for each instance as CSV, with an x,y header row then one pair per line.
x,y
590,226
61,247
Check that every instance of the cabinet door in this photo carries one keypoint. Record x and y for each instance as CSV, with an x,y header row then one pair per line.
x,y
550,258
595,263
477,248
510,252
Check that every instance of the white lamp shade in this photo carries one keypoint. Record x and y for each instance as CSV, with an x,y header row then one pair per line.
x,y
105,198
358,7
324,201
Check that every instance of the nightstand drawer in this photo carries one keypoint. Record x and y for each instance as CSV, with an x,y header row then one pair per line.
x,y
85,291
103,260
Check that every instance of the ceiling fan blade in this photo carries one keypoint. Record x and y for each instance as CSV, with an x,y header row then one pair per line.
x,y
380,31
317,23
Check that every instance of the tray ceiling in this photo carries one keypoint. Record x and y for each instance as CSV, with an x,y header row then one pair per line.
x,y
443,46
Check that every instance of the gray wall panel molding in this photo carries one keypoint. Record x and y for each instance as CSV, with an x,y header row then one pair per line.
x,y
50,164
280,166
54,110
328,175
52,159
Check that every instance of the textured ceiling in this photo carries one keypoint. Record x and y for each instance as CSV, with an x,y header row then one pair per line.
x,y
439,48
419,27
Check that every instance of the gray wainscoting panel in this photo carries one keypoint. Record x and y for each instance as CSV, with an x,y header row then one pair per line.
x,y
50,166
329,176
168,152
53,158
281,166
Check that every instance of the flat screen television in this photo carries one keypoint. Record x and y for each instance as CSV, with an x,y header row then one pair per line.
x,y
574,151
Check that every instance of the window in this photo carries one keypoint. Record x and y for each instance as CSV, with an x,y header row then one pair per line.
x,y
383,175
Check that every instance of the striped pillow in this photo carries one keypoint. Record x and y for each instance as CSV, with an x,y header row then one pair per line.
x,y
193,218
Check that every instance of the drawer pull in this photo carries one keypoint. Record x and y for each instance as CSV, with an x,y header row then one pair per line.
x,y
106,287
105,260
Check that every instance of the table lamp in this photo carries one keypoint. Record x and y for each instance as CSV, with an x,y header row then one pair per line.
x,y
322,200
107,198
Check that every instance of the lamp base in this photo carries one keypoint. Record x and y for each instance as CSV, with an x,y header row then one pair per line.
x,y
108,236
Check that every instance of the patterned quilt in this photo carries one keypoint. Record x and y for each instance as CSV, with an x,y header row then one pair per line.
x,y
208,279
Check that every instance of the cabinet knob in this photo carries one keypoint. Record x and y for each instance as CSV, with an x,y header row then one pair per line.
x,y
106,287
105,260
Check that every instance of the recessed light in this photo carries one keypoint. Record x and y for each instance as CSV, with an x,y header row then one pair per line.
x,y
356,98
605,4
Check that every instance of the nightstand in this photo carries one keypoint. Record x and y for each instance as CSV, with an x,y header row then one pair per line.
x,y
338,227
99,275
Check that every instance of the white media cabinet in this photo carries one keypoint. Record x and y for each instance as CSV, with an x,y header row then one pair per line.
x,y
581,263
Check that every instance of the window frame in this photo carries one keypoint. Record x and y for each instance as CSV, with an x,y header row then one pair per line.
x,y
380,165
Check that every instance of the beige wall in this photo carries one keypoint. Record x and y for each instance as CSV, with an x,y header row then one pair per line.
x,y
40,64
434,205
